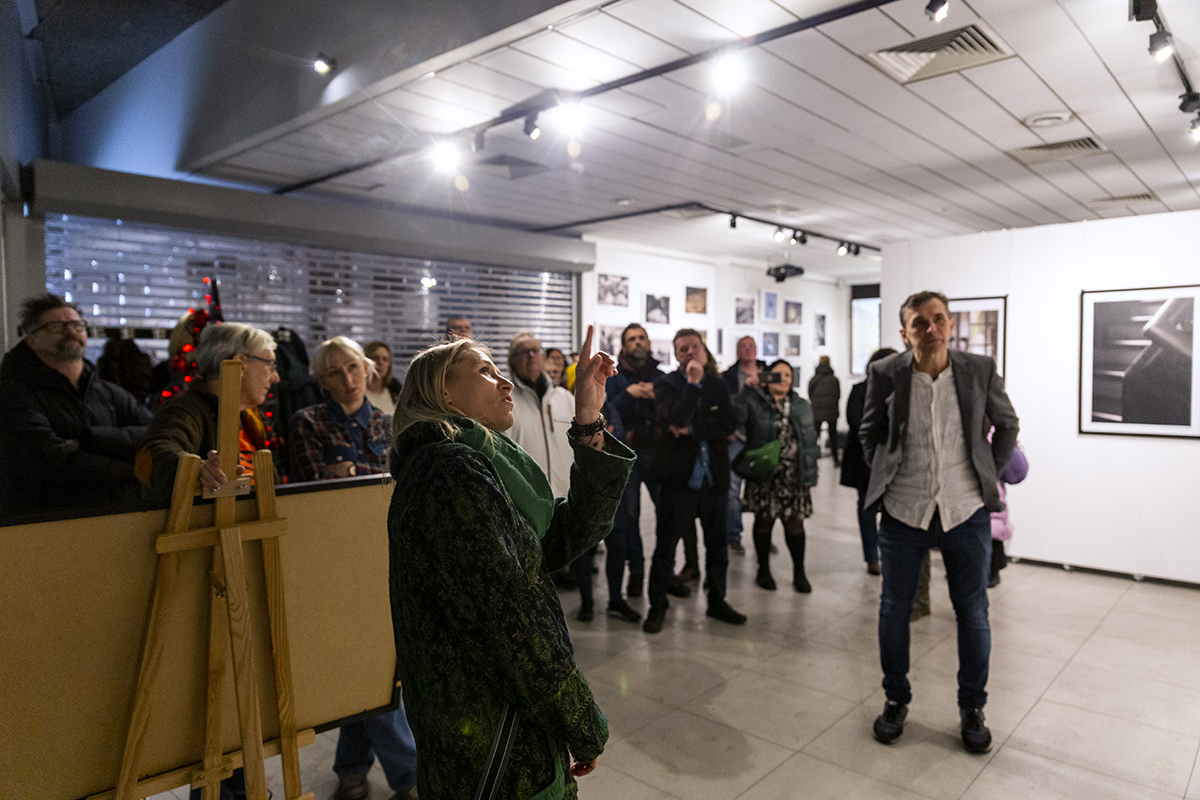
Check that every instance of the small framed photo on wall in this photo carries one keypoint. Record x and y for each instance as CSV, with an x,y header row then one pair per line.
x,y
770,344
663,351
658,308
609,338
770,306
792,350
720,341
978,327
793,312
612,290
818,330
696,300
743,309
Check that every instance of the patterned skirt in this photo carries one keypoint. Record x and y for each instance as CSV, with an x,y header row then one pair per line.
x,y
783,494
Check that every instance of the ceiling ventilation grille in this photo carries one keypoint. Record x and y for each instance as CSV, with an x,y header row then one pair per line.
x,y
1109,203
721,139
510,167
951,51
689,212
1058,151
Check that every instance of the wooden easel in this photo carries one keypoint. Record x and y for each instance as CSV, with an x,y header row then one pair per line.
x,y
229,624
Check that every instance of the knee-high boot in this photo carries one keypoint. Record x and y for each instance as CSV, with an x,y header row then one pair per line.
x,y
795,538
762,548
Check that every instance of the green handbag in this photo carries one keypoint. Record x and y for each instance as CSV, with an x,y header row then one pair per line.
x,y
759,463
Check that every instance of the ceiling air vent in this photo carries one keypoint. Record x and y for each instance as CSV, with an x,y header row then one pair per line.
x,y
721,139
510,167
951,51
1058,151
1109,203
689,212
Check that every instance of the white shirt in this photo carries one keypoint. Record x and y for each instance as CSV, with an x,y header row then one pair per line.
x,y
382,400
936,472
541,430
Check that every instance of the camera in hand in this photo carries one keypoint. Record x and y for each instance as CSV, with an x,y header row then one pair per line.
x,y
774,377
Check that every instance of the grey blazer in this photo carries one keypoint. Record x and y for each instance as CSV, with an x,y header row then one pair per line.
x,y
981,401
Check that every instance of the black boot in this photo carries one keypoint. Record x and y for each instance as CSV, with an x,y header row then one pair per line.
x,y
795,545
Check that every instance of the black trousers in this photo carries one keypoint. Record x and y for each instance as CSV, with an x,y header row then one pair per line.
x,y
676,510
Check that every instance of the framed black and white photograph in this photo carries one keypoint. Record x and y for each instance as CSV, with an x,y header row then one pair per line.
x,y
770,344
720,341
818,330
770,306
793,312
612,290
978,326
792,349
696,300
1138,373
609,339
658,308
743,309
663,351
795,376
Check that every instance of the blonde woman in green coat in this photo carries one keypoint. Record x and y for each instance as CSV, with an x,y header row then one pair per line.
x,y
768,413
474,530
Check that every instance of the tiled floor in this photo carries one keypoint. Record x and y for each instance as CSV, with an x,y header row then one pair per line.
x,y
1094,689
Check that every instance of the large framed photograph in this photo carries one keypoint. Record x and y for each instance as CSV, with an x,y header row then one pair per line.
x,y
612,290
978,326
695,300
770,306
793,312
1137,370
743,309
819,330
658,308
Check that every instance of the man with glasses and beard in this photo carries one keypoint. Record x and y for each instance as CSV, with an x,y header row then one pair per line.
x,y
67,437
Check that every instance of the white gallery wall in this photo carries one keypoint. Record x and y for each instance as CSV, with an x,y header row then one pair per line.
x,y
661,273
1121,503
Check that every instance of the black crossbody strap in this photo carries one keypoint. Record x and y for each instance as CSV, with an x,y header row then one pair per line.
x,y
497,760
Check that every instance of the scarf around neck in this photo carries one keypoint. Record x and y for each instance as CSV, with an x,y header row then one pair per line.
x,y
521,476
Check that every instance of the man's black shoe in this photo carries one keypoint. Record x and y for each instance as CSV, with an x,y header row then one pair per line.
x,y
654,620
975,735
719,609
585,611
890,724
622,610
679,588
634,588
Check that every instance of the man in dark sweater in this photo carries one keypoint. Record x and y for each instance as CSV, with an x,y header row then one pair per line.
x,y
825,394
67,437
744,372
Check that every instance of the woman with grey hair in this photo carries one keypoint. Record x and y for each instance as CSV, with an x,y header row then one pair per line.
x,y
187,423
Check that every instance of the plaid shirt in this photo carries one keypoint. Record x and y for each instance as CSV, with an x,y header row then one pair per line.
x,y
325,434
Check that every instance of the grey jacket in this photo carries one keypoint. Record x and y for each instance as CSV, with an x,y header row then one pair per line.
x,y
982,402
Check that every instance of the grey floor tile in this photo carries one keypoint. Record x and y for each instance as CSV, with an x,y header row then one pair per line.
x,y
1161,662
845,673
1129,695
1193,792
1008,669
803,777
607,783
1018,774
1177,602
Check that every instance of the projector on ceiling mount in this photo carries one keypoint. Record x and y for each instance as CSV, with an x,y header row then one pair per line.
x,y
781,272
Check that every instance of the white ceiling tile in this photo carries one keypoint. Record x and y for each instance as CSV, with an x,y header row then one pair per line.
x,y
673,22
866,32
450,117
1113,176
911,15
606,32
665,92
525,67
745,17
487,80
575,56
466,97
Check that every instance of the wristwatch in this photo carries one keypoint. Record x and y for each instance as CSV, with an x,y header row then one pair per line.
x,y
582,431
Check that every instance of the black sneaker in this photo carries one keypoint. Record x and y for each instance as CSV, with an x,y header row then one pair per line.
x,y
719,609
679,588
890,724
654,620
619,609
976,737
585,611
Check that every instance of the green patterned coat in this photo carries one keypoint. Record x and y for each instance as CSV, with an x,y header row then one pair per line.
x,y
477,620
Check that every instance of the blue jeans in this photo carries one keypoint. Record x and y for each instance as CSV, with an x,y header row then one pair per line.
x,y
386,735
967,551
868,529
677,508
733,523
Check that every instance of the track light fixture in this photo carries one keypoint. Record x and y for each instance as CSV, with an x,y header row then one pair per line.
x,y
795,239
733,220
478,142
779,235
843,248
1160,45
854,249
937,9
531,127
1189,102
1196,129
323,64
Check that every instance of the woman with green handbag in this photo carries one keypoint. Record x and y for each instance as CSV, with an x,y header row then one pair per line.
x,y
780,466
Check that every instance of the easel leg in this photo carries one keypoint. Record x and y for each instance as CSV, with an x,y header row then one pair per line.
x,y
218,656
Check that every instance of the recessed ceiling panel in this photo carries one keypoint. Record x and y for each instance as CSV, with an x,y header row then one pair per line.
x,y
605,32
673,22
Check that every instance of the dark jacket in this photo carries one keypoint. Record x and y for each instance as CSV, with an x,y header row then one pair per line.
x,y
731,376
186,424
760,416
62,446
637,415
477,619
982,402
855,471
824,392
706,409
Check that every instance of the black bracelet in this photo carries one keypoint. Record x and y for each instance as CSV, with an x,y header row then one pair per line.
x,y
583,431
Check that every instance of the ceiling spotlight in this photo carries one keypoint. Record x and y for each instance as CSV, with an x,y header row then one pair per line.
x,y
574,148
478,142
779,234
733,220
843,248
1160,45
728,73
937,9
1189,102
803,237
445,156
854,249
531,127
323,64
570,117
1196,129
795,238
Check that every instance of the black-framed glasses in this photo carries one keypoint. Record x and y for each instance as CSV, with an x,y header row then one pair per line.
x,y
59,327
270,362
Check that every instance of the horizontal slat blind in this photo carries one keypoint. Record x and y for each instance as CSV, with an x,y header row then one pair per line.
x,y
146,276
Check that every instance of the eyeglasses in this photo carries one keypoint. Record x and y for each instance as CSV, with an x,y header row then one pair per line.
x,y
270,362
526,352
57,328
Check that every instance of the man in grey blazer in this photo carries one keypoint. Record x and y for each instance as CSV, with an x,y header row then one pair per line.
x,y
924,433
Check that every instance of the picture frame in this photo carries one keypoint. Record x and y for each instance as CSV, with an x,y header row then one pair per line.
x,y
793,312
1138,374
656,309
770,344
770,306
744,308
612,290
720,341
695,300
979,326
818,330
663,351
791,347
608,339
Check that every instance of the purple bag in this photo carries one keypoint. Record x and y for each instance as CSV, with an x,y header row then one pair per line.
x,y
1016,469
